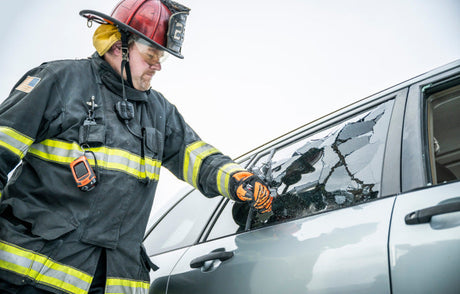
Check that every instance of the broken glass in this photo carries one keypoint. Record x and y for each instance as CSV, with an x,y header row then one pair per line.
x,y
333,168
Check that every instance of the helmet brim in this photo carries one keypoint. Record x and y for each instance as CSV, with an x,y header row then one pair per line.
x,y
102,18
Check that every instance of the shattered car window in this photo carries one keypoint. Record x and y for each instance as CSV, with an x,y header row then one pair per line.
x,y
334,168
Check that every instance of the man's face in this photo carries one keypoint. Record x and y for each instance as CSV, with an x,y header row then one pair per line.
x,y
144,62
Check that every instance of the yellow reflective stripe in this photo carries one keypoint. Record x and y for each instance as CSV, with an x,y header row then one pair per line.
x,y
136,171
12,149
188,150
14,141
108,158
61,144
17,135
195,153
223,178
53,157
42,269
117,286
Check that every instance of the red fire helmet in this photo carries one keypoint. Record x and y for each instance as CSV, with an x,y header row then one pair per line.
x,y
160,22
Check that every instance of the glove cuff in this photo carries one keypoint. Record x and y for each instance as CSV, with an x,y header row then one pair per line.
x,y
241,175
236,180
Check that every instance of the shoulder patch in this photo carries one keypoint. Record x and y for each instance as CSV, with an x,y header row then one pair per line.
x,y
28,84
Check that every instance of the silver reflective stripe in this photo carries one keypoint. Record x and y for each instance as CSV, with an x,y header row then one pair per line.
x,y
195,153
117,286
42,269
223,178
108,158
14,141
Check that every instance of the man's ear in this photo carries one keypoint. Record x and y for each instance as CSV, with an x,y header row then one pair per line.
x,y
115,49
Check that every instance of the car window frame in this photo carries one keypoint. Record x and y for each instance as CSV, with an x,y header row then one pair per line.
x,y
415,166
390,185
428,92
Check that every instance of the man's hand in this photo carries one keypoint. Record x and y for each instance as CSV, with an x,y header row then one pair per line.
x,y
248,187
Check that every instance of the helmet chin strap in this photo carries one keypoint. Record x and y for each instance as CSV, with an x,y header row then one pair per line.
x,y
125,109
125,60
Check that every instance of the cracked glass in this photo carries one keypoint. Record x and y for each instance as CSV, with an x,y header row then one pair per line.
x,y
336,167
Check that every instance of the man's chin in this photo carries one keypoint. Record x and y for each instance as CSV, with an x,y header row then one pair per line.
x,y
143,85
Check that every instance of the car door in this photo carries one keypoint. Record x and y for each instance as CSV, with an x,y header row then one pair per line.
x,y
425,230
329,230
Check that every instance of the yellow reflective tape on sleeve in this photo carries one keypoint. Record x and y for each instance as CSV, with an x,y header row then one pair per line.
x,y
116,286
43,269
107,158
223,178
188,150
195,153
14,141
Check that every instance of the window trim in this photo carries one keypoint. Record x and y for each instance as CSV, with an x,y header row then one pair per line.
x,y
391,170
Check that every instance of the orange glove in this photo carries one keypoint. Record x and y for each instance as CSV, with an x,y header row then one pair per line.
x,y
248,187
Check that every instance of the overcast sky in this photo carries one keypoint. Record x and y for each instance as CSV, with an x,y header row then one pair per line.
x,y
255,69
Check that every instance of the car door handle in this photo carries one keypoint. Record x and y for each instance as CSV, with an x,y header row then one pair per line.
x,y
220,255
424,215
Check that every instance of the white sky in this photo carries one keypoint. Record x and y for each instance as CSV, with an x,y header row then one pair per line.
x,y
255,69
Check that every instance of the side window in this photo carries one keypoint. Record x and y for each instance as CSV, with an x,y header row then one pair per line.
x,y
443,129
333,168
182,225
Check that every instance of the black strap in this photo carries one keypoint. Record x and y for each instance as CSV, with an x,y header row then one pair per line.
x,y
125,57
125,108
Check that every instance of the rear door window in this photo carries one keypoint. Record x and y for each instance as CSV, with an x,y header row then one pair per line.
x,y
443,129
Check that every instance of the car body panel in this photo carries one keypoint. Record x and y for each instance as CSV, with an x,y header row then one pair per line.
x,y
165,262
425,258
315,251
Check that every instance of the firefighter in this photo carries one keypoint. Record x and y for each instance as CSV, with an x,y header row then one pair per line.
x,y
90,136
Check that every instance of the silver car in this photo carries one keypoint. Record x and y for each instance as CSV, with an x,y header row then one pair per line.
x,y
367,200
